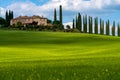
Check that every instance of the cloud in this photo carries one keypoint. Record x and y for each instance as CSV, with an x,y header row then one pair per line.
x,y
70,8
68,23
2,12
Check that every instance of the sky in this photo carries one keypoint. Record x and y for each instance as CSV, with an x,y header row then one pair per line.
x,y
105,9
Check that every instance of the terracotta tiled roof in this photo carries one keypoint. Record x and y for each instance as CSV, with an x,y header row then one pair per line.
x,y
29,17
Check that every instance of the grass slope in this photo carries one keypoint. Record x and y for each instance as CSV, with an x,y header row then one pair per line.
x,y
33,55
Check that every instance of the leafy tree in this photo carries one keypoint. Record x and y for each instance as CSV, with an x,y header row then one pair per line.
x,y
2,21
68,26
113,28
56,22
49,21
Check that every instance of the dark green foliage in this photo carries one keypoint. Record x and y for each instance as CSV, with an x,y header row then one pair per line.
x,y
79,27
73,24
2,21
61,15
8,17
49,21
107,27
90,24
85,23
76,22
118,30
113,28
56,22
96,25
55,16
68,26
101,27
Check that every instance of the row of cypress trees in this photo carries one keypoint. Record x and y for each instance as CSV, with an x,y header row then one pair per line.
x,y
8,17
88,24
59,22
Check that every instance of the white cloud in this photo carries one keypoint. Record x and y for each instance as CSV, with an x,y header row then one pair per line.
x,y
68,23
26,8
69,6
2,12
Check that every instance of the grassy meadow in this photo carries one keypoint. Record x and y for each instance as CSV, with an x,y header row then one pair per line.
x,y
30,55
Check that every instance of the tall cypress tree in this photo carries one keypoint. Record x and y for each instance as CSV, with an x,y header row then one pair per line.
x,y
73,24
85,24
107,27
102,27
118,29
113,28
79,22
96,25
90,24
7,19
76,22
101,30
60,14
55,16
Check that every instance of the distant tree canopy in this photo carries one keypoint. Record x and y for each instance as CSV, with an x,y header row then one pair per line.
x,y
49,21
2,21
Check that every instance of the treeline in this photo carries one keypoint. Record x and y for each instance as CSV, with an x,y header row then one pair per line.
x,y
88,24
8,16
55,25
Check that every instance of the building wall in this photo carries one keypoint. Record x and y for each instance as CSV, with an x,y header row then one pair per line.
x,y
27,20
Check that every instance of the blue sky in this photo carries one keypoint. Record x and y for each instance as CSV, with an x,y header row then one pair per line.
x,y
105,9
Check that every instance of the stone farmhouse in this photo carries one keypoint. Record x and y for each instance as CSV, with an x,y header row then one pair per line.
x,y
28,20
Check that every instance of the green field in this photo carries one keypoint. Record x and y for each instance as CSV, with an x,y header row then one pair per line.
x,y
29,55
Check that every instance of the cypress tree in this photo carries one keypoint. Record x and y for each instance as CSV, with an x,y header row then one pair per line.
x,y
96,25
60,14
73,24
7,19
102,27
79,22
101,30
118,30
113,28
107,27
12,15
85,23
55,16
76,22
90,24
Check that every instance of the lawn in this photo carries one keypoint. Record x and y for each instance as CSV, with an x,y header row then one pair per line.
x,y
30,55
